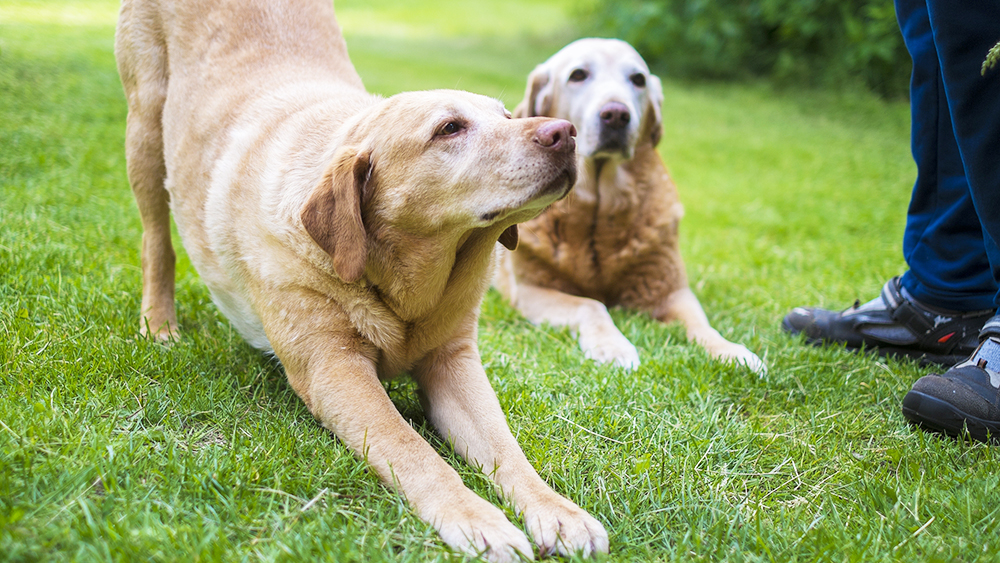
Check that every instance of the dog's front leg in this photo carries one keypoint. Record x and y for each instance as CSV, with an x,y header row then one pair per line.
x,y
339,383
588,319
682,305
460,402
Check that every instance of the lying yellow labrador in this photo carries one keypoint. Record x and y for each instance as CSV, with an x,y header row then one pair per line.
x,y
351,235
614,240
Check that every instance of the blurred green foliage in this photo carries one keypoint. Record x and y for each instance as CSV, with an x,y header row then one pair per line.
x,y
825,43
991,58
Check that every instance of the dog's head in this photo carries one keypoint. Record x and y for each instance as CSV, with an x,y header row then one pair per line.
x,y
604,88
432,166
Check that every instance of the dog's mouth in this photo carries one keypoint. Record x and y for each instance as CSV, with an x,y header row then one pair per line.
x,y
609,142
489,216
560,186
614,143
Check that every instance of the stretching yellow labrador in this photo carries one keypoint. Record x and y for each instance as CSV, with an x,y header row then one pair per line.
x,y
614,241
351,235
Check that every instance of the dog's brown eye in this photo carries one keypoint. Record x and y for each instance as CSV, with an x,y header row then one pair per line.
x,y
578,75
638,79
450,128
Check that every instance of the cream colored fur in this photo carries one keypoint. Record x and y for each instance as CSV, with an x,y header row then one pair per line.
x,y
351,235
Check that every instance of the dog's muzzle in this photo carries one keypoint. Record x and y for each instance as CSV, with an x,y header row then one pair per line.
x,y
613,133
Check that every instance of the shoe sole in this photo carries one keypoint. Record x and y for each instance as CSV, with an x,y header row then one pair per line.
x,y
942,416
924,358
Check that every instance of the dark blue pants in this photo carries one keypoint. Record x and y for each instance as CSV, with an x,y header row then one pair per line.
x,y
953,223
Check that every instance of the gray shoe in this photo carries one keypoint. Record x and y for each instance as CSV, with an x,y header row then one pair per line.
x,y
965,398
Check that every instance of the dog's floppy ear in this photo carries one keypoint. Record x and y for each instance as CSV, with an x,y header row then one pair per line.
x,y
538,95
332,215
654,110
508,237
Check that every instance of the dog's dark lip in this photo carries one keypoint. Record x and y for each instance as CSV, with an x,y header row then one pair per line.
x,y
570,177
487,217
563,182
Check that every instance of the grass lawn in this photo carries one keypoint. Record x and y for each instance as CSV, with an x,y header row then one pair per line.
x,y
115,448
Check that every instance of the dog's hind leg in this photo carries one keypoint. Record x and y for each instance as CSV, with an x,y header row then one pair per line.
x,y
587,318
142,64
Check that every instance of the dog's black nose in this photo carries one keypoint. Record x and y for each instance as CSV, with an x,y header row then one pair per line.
x,y
556,135
615,115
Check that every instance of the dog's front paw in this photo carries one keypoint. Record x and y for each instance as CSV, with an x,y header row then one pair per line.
x,y
560,526
476,527
164,333
739,354
609,346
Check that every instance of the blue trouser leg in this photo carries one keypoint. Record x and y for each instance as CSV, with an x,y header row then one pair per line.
x,y
964,32
947,248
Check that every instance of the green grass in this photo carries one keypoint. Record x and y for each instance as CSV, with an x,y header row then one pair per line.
x,y
115,448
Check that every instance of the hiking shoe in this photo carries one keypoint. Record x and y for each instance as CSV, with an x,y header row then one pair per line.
x,y
893,324
965,398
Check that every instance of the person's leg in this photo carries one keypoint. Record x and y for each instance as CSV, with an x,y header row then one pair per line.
x,y
943,242
934,311
967,397
964,33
